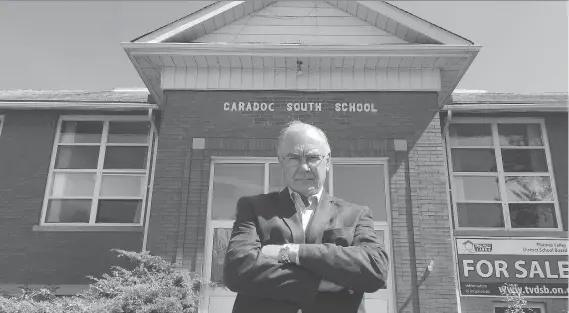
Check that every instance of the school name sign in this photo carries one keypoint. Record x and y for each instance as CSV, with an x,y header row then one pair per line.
x,y
540,267
362,107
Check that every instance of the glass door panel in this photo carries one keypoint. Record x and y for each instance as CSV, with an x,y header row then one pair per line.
x,y
219,298
231,182
363,184
380,301
221,238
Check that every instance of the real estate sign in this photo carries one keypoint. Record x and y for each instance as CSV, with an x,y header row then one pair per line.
x,y
539,267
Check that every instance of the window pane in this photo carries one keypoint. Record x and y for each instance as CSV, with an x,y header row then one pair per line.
x,y
276,182
125,157
528,188
81,132
73,185
480,215
68,211
532,215
470,135
119,211
520,134
221,238
477,188
381,236
231,182
128,132
122,186
473,160
77,157
363,185
524,160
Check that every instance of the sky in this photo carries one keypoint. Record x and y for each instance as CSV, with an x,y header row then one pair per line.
x,y
76,45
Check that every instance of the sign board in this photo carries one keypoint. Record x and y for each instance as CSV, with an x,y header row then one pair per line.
x,y
540,267
352,107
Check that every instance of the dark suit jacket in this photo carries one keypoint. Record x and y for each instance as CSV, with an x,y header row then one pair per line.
x,y
339,245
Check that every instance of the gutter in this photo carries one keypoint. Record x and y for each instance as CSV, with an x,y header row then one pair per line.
x,y
507,107
49,105
299,50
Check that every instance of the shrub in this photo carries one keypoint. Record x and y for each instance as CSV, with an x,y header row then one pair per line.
x,y
151,286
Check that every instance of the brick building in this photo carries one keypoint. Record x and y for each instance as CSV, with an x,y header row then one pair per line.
x,y
475,182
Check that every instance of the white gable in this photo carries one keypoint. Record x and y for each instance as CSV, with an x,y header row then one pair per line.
x,y
320,45
301,22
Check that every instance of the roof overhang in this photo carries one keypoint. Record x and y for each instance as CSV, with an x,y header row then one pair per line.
x,y
150,59
76,105
169,57
506,107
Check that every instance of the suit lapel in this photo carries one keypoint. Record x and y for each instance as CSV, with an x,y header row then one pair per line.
x,y
290,216
320,219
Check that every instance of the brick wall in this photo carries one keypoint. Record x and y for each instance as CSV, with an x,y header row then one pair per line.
x,y
27,256
179,206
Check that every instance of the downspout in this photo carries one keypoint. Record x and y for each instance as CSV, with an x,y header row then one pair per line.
x,y
450,212
150,186
414,296
411,235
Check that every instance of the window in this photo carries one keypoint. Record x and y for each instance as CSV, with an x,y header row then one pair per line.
x,y
529,308
501,174
99,171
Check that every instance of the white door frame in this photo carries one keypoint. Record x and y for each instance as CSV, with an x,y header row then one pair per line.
x,y
385,226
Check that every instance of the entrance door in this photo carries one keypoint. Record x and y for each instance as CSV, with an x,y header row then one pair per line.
x,y
362,181
366,182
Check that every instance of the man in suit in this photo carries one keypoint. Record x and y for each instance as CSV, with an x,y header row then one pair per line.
x,y
302,250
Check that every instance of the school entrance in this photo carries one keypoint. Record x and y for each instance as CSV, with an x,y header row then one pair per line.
x,y
364,181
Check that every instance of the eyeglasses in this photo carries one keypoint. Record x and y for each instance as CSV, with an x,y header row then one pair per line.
x,y
294,160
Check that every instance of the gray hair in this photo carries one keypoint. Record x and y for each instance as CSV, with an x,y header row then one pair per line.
x,y
297,125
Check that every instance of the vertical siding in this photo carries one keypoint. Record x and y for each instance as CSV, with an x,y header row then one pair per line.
x,y
300,22
215,78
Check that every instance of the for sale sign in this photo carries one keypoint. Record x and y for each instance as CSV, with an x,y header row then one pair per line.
x,y
539,267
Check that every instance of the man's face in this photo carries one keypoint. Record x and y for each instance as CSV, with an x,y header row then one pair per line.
x,y
305,160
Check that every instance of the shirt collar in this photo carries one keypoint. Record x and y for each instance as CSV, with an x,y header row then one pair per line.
x,y
311,198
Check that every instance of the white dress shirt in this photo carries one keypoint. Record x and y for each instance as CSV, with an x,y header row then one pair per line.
x,y
306,213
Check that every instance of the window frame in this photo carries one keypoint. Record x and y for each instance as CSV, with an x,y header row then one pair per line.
x,y
212,224
98,172
500,174
529,305
1,123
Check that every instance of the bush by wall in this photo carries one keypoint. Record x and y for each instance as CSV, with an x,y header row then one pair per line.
x,y
151,286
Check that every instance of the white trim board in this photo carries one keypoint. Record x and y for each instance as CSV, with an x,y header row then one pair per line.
x,y
215,78
63,105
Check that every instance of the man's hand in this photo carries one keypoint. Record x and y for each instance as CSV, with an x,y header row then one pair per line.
x,y
272,251
329,286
